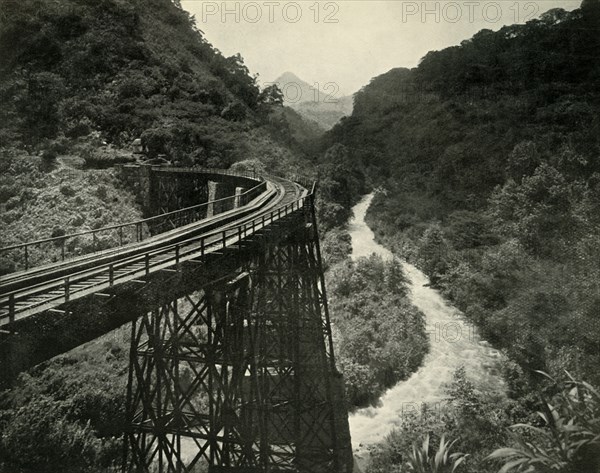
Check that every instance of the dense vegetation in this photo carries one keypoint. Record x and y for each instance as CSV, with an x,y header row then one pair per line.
x,y
558,438
79,81
488,156
44,200
341,183
380,336
67,414
129,69
497,199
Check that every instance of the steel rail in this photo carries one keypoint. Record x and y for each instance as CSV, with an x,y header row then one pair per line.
x,y
23,280
81,284
89,258
138,225
160,255
132,223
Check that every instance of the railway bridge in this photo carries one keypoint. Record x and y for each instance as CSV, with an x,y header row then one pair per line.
x,y
231,364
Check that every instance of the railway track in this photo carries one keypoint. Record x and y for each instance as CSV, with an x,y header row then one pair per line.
x,y
46,288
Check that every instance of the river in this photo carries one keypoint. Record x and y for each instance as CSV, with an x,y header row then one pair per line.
x,y
453,343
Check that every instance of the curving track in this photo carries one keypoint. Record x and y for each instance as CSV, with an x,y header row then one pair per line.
x,y
256,337
47,288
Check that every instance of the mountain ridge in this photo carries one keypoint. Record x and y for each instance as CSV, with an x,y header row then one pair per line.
x,y
326,109
75,74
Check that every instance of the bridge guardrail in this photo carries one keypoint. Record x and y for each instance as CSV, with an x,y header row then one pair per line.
x,y
204,170
64,247
64,289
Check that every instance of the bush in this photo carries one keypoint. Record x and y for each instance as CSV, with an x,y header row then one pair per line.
x,y
336,246
7,266
102,158
157,141
383,336
7,191
13,203
331,215
49,155
235,111
58,232
67,190
424,460
78,127
102,192
433,253
39,438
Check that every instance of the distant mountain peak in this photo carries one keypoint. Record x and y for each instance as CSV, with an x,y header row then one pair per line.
x,y
312,103
297,91
289,77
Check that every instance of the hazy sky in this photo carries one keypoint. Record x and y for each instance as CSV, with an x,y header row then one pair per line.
x,y
348,42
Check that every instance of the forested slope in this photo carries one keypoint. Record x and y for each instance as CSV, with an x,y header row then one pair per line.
x,y
490,153
488,156
80,80
127,69
448,127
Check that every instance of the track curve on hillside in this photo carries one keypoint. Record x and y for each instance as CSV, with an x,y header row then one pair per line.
x,y
48,288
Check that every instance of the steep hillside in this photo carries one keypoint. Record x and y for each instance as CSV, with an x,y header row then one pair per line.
x,y
126,69
46,200
490,153
297,131
81,80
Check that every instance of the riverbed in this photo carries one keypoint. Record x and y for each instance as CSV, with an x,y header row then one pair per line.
x,y
454,342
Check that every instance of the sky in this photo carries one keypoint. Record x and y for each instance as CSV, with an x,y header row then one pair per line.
x,y
341,45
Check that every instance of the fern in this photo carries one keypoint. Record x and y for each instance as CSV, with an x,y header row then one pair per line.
x,y
571,423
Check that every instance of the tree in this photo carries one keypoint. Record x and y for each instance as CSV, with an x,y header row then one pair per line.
x,y
522,161
238,80
271,95
433,253
235,111
157,141
537,211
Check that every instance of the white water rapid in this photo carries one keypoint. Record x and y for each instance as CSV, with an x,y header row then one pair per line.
x,y
453,343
